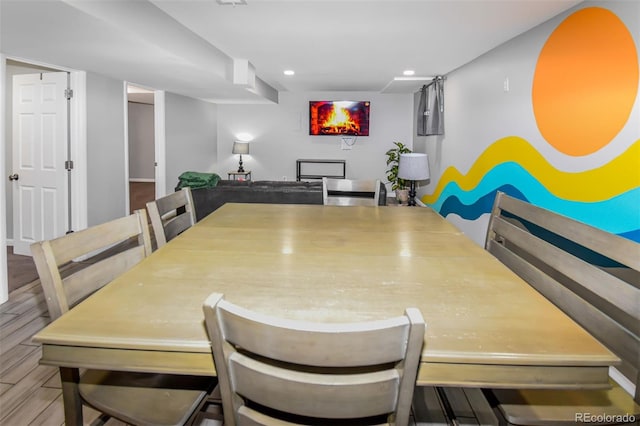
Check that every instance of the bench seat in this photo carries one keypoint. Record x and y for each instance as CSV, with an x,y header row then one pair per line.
x,y
592,276
567,407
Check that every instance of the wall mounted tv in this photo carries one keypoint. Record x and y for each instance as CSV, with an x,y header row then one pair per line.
x,y
349,118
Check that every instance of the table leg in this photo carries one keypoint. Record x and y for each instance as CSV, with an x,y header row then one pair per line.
x,y
70,396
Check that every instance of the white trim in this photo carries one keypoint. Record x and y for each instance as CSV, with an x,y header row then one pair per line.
x,y
142,180
159,112
125,111
79,188
40,64
4,278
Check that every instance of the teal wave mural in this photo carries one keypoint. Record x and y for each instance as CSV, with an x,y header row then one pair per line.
x,y
607,198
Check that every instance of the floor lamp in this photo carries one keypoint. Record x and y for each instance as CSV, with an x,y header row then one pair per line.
x,y
413,167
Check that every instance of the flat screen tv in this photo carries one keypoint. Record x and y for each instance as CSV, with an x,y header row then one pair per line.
x,y
339,118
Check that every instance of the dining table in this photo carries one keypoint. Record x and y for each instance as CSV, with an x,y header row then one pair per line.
x,y
485,326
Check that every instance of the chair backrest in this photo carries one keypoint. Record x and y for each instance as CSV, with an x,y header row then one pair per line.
x,y
591,274
108,249
311,373
349,192
171,215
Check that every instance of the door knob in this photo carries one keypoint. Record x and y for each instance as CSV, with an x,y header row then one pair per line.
x,y
14,176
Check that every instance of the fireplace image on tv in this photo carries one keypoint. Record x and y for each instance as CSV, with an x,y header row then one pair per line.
x,y
339,118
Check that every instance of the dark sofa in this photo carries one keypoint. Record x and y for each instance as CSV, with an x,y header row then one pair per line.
x,y
207,200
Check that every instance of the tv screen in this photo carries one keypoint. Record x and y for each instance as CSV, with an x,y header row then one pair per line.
x,y
339,118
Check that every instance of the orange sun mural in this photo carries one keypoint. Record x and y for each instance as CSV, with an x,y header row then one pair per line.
x,y
602,66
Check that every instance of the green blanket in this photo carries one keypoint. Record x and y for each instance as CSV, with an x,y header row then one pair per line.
x,y
195,180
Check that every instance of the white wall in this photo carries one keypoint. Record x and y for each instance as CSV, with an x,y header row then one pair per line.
x,y
490,132
191,137
281,135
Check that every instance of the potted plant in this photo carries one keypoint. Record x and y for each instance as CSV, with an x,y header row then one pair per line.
x,y
393,160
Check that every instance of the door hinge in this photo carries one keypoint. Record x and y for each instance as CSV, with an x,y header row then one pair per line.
x,y
68,93
68,165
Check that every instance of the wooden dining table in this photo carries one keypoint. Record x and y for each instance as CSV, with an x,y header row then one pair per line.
x,y
486,327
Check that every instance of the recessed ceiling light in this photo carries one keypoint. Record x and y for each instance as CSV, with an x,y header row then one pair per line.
x,y
231,2
289,72
408,72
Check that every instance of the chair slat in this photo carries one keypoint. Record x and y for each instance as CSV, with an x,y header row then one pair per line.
x,y
99,237
603,284
314,394
172,201
86,281
617,248
329,345
176,226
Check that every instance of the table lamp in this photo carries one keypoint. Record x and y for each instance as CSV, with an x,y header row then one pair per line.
x,y
413,167
240,147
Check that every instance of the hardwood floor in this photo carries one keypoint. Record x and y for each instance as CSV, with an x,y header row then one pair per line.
x,y
140,193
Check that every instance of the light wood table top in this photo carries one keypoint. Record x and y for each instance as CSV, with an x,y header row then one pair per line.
x,y
485,326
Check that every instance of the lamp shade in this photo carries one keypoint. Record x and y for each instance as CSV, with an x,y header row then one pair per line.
x,y
240,147
413,166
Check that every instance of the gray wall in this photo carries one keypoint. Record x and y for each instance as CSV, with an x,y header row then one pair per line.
x,y
191,143
141,142
105,149
191,136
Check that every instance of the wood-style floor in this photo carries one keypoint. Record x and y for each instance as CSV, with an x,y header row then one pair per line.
x,y
30,393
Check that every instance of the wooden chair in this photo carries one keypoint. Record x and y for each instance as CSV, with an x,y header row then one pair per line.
x,y
594,277
171,215
275,371
135,398
348,192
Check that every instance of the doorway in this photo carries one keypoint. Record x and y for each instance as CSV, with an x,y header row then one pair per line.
x,y
9,68
141,146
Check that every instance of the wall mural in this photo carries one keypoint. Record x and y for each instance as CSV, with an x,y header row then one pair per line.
x,y
584,89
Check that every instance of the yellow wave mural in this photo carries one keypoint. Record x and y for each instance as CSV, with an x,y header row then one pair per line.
x,y
616,177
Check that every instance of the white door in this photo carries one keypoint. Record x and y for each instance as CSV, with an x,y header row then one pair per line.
x,y
39,154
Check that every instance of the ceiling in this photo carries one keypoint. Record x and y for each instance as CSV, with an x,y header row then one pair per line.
x,y
237,53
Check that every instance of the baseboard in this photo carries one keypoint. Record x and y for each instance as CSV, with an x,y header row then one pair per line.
x,y
144,180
